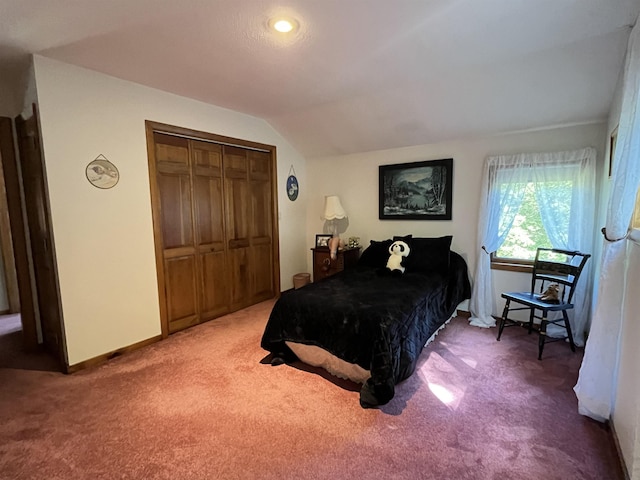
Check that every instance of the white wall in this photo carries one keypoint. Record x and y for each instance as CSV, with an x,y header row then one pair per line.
x,y
626,411
104,238
625,416
355,179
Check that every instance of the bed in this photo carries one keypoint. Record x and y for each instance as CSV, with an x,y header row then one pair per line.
x,y
368,324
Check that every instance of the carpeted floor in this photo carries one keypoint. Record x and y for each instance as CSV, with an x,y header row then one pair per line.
x,y
12,353
205,404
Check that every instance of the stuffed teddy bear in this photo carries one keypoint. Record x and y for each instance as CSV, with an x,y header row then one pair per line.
x,y
397,251
551,294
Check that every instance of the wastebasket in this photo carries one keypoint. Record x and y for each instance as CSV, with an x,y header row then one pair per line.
x,y
301,279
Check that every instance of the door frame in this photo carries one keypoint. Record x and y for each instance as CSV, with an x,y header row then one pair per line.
x,y
151,128
54,322
13,186
6,242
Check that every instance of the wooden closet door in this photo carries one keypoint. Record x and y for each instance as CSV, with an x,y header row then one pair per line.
x,y
173,175
210,230
238,215
261,233
216,232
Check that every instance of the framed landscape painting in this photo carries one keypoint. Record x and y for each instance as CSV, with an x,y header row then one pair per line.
x,y
416,191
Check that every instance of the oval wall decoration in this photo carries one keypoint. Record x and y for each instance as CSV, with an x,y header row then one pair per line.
x,y
101,173
292,185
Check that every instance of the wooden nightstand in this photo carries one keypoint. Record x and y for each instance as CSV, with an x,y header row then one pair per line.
x,y
324,267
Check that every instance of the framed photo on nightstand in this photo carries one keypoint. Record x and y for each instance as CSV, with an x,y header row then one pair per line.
x,y
322,240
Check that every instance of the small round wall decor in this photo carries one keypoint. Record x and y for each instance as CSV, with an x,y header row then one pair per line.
x,y
292,185
102,173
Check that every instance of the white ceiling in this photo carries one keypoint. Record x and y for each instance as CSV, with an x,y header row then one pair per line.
x,y
358,75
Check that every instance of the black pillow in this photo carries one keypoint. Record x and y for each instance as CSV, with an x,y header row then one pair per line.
x,y
429,254
406,239
376,254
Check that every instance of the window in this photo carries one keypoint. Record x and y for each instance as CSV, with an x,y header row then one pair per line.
x,y
528,232
544,207
521,193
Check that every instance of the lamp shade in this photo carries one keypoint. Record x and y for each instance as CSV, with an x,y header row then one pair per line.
x,y
333,208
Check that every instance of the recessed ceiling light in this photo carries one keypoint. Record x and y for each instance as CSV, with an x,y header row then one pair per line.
x,y
283,25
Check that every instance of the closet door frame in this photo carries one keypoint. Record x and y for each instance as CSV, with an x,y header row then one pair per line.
x,y
157,127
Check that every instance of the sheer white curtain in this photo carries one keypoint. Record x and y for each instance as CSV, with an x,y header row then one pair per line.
x,y
569,221
598,374
503,189
504,181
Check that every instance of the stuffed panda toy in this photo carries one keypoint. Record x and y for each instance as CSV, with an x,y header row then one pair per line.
x,y
397,251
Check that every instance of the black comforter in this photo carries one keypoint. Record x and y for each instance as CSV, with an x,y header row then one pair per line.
x,y
380,322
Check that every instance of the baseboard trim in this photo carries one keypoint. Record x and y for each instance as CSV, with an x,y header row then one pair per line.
x,y
616,442
92,362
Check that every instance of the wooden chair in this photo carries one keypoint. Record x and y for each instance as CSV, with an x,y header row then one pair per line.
x,y
551,266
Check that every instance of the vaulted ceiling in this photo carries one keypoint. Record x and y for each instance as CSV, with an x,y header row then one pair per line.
x,y
356,75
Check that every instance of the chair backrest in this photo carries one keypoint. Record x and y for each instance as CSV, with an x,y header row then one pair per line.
x,y
554,265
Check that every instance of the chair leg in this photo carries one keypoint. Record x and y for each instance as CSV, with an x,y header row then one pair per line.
x,y
531,320
542,335
503,320
568,327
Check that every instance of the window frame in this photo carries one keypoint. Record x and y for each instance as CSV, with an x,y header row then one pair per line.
x,y
510,264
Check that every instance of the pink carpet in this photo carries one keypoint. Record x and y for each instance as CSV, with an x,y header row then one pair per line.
x,y
205,404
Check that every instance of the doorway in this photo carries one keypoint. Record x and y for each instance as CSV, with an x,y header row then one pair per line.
x,y
36,281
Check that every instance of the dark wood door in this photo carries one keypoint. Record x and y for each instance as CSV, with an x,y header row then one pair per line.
x,y
214,226
39,226
248,186
261,226
18,234
7,268
238,213
190,187
210,228
175,209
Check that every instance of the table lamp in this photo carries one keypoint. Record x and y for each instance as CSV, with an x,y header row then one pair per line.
x,y
333,211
